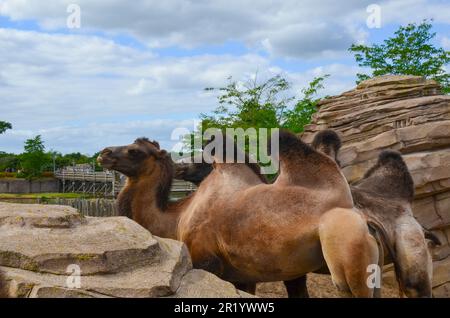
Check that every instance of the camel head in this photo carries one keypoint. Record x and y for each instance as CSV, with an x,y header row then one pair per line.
x,y
134,160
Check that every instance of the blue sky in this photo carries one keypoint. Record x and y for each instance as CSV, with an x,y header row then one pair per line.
x,y
139,68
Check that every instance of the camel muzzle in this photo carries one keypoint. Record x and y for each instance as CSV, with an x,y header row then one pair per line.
x,y
106,159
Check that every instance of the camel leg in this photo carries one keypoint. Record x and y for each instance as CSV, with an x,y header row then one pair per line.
x,y
349,251
296,288
413,258
378,238
247,287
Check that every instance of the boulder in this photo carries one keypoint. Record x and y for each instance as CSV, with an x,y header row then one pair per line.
x,y
408,114
52,251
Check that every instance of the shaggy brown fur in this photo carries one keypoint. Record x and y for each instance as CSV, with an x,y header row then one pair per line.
x,y
292,224
384,195
381,209
364,195
145,197
328,142
193,172
389,177
298,210
232,158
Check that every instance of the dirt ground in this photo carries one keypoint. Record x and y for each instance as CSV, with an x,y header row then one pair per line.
x,y
319,286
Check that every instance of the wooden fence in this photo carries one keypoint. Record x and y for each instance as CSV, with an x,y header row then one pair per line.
x,y
107,207
89,207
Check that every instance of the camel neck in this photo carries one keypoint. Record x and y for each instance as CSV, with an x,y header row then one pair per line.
x,y
139,201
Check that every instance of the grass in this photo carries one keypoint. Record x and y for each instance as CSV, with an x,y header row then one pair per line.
x,y
40,195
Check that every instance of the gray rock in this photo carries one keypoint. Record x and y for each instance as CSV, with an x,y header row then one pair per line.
x,y
42,247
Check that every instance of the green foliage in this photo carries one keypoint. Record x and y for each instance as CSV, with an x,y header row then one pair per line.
x,y
70,159
33,159
13,162
48,196
9,162
409,52
35,162
254,105
4,126
266,104
251,104
300,115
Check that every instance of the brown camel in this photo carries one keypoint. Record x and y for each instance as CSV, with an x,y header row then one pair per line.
x,y
247,231
384,196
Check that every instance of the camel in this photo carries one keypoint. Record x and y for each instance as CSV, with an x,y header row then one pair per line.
x,y
384,197
266,232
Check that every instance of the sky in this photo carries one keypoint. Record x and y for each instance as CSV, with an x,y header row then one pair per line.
x,y
139,68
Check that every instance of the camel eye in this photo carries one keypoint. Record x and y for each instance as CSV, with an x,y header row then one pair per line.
x,y
134,152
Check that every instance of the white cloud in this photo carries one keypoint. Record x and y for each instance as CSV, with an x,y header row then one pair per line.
x,y
95,136
291,28
407,11
78,91
304,28
138,89
90,74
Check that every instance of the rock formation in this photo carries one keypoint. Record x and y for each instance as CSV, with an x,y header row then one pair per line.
x,y
408,114
43,249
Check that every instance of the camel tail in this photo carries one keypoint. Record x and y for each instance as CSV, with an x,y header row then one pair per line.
x,y
382,234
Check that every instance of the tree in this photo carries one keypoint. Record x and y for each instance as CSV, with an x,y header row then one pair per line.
x,y
266,104
34,159
250,104
298,117
70,159
9,162
4,126
409,52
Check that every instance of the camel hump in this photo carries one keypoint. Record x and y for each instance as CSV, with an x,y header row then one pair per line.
x,y
389,176
302,165
302,156
237,155
327,138
290,144
328,142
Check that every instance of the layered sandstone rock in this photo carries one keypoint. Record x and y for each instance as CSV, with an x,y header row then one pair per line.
x,y
408,114
42,248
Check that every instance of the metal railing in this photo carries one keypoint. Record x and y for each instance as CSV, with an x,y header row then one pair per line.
x,y
107,183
